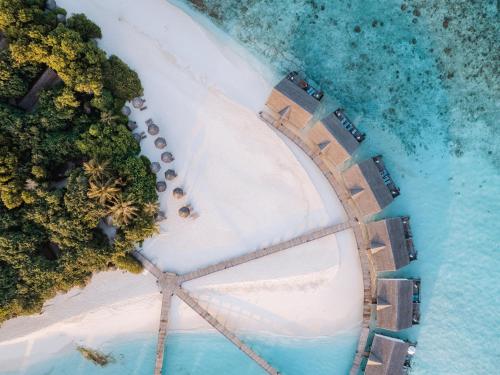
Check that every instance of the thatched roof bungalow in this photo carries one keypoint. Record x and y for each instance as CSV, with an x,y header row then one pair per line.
x,y
390,243
397,303
388,356
48,79
336,138
294,101
370,185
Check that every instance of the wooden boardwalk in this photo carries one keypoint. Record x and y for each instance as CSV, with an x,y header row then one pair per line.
x,y
308,237
162,331
191,302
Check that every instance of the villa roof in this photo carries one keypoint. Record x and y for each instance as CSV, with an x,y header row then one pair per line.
x,y
394,304
292,103
387,356
367,187
387,244
48,79
335,142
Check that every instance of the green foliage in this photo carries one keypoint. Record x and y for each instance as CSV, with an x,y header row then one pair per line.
x,y
122,81
127,262
68,164
83,26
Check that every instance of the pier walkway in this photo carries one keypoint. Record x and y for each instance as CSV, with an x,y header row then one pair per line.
x,y
308,237
183,295
171,284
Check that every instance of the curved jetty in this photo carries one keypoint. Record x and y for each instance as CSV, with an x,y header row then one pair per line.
x,y
364,189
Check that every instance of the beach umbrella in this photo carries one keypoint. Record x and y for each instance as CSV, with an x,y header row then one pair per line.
x,y
155,167
126,110
184,212
170,174
161,186
138,102
167,157
132,125
153,129
178,193
160,143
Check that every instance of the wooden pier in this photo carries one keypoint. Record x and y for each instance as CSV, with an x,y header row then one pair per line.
x,y
183,295
308,237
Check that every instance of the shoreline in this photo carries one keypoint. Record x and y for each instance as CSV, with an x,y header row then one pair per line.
x,y
199,115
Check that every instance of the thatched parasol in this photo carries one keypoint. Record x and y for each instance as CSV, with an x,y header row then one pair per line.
x,y
126,110
161,186
170,174
184,212
153,129
132,125
178,193
138,102
155,167
160,143
167,157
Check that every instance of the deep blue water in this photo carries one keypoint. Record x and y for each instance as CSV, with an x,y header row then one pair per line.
x,y
421,79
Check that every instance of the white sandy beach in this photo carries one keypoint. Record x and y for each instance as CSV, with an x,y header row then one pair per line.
x,y
249,187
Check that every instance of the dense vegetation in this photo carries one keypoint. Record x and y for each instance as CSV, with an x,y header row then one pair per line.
x,y
70,165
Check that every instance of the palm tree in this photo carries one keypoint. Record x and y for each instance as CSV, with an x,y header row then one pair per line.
x,y
30,184
108,118
122,211
103,191
151,208
95,169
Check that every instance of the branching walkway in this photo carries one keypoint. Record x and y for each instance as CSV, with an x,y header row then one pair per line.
x,y
170,284
183,295
308,237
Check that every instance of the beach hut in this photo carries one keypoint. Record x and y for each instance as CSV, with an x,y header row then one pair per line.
x,y
132,125
336,138
389,356
178,193
167,157
390,243
48,79
161,186
3,41
170,174
293,101
184,212
138,102
155,167
370,185
126,110
153,129
160,143
397,303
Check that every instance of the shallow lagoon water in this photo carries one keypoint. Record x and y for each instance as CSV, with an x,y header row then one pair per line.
x,y
427,96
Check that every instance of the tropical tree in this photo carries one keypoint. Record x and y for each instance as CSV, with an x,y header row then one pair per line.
x,y
96,170
151,208
122,211
103,190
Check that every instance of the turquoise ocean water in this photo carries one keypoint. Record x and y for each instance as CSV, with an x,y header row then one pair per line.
x,y
421,78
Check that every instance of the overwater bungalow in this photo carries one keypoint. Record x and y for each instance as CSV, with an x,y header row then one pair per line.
x,y
370,185
336,137
389,356
390,243
294,101
48,79
398,302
